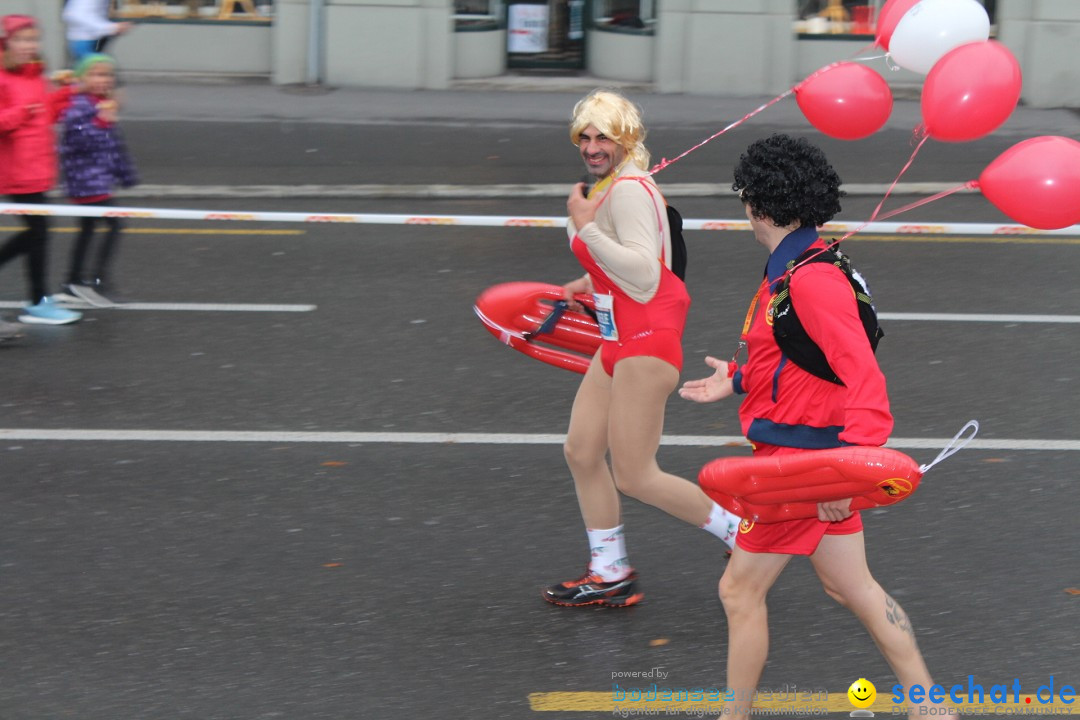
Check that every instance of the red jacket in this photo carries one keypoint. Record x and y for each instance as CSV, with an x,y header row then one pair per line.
x,y
784,404
28,142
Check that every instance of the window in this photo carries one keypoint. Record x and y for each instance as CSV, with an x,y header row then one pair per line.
x,y
186,10
848,17
477,14
625,14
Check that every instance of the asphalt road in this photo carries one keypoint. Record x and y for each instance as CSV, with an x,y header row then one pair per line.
x,y
310,580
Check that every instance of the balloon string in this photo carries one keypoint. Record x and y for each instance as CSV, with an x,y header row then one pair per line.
x,y
665,162
969,185
955,445
874,216
863,49
892,187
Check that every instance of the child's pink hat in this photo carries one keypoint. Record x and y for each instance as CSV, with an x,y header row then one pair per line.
x,y
11,24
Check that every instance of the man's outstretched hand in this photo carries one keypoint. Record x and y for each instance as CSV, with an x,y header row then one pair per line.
x,y
715,387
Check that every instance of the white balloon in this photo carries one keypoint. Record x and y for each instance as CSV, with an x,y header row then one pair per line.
x,y
932,28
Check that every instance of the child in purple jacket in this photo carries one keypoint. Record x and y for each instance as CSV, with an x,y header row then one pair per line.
x,y
95,161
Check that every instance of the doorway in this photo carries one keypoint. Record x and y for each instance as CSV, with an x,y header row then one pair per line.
x,y
546,34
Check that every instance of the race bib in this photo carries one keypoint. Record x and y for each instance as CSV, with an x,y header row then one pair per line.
x,y
605,316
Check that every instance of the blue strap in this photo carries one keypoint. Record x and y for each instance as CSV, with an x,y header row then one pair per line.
x,y
559,307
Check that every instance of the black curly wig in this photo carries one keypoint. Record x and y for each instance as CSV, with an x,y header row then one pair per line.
x,y
787,179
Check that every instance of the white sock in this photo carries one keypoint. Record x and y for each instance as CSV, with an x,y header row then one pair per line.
x,y
723,524
608,551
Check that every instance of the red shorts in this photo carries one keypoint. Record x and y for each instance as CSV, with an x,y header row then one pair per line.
x,y
663,344
791,537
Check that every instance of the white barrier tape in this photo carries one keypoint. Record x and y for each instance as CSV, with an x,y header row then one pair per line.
x,y
178,307
12,209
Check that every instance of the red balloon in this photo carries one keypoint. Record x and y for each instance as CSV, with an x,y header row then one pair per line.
x,y
889,18
971,91
846,100
774,488
1036,182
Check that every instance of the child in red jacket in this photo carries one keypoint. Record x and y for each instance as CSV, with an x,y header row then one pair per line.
x,y
29,108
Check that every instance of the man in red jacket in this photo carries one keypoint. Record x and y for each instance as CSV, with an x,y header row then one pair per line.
x,y
28,110
789,189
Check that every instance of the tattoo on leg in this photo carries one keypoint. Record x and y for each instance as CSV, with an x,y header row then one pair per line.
x,y
896,616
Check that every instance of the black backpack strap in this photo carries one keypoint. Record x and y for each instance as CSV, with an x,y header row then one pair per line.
x,y
795,343
678,244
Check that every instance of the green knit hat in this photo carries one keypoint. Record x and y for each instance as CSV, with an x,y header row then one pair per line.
x,y
90,60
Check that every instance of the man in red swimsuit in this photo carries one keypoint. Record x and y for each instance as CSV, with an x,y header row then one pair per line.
x,y
789,189
620,235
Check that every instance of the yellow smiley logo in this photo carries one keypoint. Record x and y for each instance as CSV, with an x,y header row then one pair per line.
x,y
862,693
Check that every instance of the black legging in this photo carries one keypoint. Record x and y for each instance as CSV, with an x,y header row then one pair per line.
x,y
82,246
32,242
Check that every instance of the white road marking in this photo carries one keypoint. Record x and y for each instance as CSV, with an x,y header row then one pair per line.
x,y
256,307
185,307
979,317
421,438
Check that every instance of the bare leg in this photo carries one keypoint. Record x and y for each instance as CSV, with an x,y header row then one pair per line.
x,y
840,562
586,450
639,393
743,588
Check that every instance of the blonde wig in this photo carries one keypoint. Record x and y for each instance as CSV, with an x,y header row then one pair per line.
x,y
617,118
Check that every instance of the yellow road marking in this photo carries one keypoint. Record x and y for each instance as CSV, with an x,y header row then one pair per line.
x,y
835,703
182,231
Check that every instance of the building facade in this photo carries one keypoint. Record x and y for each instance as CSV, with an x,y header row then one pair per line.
x,y
730,47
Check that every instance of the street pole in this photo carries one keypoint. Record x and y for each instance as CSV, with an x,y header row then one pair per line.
x,y
315,42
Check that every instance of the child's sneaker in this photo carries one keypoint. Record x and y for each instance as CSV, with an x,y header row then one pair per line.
x,y
48,312
66,298
90,295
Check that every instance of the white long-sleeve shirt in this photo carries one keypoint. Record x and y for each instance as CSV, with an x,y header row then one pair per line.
x,y
88,19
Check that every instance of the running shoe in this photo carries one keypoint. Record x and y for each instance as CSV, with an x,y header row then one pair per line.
x,y
48,312
591,589
66,299
90,295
